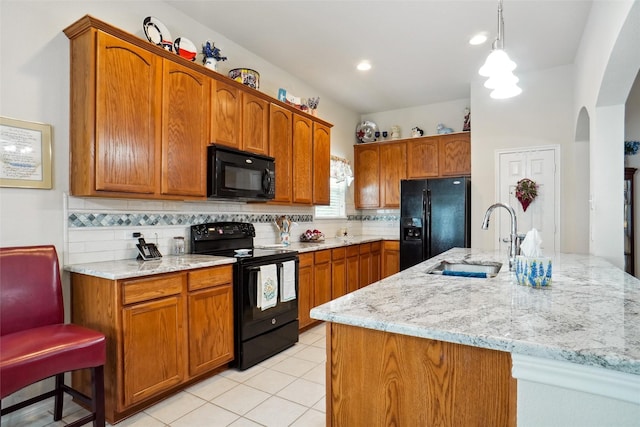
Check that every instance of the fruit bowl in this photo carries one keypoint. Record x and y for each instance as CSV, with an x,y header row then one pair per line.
x,y
312,236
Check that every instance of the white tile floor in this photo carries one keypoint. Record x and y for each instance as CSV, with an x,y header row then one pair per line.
x,y
286,390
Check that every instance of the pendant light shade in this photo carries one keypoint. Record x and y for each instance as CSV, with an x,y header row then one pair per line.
x,y
499,67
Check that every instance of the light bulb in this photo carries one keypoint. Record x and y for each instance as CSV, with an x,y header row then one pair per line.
x,y
501,79
497,61
504,92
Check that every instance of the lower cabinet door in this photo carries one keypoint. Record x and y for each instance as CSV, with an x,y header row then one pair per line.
x,y
210,329
154,348
305,297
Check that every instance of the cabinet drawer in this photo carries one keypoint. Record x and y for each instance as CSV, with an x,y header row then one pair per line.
x,y
365,248
376,246
322,256
151,288
306,260
338,253
353,250
208,277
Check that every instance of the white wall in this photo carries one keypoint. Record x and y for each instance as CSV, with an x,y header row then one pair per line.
x,y
607,63
426,117
541,115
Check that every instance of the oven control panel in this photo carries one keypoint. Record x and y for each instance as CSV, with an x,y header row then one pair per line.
x,y
222,231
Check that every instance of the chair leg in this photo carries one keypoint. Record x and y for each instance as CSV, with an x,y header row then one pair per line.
x,y
97,401
59,397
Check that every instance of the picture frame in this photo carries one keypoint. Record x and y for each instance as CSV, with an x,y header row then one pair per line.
x,y
25,154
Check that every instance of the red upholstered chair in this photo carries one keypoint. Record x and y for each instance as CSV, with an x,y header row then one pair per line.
x,y
35,343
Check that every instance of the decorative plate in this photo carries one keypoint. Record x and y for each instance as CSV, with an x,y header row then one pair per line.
x,y
185,48
366,131
156,31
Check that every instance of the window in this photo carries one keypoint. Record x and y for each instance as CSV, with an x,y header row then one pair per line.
x,y
337,198
341,177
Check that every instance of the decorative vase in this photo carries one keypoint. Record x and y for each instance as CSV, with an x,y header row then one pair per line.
x,y
284,238
211,63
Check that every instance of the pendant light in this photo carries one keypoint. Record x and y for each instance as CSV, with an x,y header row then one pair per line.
x,y
499,67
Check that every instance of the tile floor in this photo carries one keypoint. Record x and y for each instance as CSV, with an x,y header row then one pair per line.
x,y
286,390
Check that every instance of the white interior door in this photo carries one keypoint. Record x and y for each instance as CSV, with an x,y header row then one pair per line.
x,y
542,214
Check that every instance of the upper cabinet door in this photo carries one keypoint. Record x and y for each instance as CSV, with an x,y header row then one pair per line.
x,y
302,160
127,117
455,154
422,158
393,168
367,175
226,115
321,164
185,130
280,148
255,124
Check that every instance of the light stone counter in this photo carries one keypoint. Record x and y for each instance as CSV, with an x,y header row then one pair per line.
x,y
127,268
590,315
328,243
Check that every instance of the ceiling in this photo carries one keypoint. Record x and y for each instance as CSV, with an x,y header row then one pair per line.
x,y
419,49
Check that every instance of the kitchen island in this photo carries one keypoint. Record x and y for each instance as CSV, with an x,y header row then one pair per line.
x,y
422,348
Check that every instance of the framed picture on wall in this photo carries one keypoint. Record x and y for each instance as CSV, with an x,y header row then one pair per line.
x,y
25,154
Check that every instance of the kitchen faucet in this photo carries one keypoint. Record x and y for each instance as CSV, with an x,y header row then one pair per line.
x,y
514,247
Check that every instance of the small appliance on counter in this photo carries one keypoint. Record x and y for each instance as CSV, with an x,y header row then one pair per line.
x,y
435,216
262,327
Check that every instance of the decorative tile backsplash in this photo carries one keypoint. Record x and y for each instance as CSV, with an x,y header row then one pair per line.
x,y
91,219
100,229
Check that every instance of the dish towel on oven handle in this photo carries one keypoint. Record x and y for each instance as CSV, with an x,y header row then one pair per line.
x,y
267,287
288,281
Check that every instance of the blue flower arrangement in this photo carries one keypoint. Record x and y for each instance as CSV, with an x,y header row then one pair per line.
x,y
631,148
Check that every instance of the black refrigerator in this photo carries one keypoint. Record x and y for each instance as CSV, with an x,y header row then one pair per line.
x,y
435,216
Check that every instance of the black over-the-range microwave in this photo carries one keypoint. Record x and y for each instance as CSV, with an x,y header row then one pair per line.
x,y
235,174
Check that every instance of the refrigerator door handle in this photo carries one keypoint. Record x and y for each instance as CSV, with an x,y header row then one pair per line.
x,y
426,223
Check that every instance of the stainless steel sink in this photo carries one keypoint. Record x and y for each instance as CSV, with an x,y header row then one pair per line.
x,y
464,269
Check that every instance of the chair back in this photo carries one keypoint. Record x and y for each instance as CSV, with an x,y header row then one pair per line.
x,y
30,288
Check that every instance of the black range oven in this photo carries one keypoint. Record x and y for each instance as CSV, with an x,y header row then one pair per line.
x,y
259,332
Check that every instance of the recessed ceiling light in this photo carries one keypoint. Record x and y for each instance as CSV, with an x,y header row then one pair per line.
x,y
364,66
478,39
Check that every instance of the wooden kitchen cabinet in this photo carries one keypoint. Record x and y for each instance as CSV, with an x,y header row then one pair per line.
x,y
185,131
393,168
321,164
379,167
255,124
367,175
281,149
338,272
154,342
210,305
422,158
353,267
162,332
116,95
302,160
365,265
226,115
455,154
305,289
321,277
390,257
376,262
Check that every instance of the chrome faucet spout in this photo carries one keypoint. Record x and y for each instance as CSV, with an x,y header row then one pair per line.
x,y
514,247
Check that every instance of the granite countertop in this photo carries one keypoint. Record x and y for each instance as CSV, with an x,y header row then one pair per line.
x,y
127,268
589,316
328,243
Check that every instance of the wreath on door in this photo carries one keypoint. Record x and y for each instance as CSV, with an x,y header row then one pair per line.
x,y
526,192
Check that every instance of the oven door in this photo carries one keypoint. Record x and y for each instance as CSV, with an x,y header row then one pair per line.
x,y
253,321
